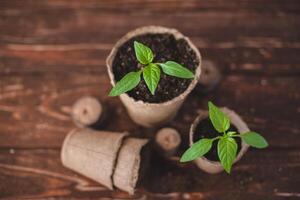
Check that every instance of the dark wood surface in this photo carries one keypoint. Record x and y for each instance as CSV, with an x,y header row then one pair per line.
x,y
53,52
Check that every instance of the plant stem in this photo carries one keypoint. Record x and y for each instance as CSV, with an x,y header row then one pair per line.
x,y
218,137
236,135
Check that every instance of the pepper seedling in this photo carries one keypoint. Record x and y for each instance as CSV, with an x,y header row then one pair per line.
x,y
227,146
151,72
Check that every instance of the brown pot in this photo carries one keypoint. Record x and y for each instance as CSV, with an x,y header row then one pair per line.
x,y
127,168
214,166
92,153
152,114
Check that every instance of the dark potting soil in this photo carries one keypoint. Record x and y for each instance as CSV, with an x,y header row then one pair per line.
x,y
165,48
205,129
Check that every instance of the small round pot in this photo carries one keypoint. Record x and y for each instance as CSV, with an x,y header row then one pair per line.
x,y
214,167
152,114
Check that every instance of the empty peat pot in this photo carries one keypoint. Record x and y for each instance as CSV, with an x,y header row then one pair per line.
x,y
202,126
108,158
127,171
167,44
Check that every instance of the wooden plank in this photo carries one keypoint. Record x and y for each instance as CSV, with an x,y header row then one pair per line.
x,y
94,26
58,35
58,38
53,52
38,174
159,6
35,108
91,58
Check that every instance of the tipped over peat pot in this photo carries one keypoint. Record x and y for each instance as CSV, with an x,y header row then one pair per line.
x,y
167,44
109,158
203,128
92,153
129,164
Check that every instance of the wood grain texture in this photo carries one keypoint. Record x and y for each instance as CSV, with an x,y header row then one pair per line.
x,y
41,104
38,174
52,52
91,58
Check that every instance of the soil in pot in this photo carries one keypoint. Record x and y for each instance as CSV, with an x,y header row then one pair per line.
x,y
205,129
165,47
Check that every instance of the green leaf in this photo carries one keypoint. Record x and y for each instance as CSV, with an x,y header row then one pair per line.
x,y
151,74
254,140
231,133
143,53
175,69
198,149
227,149
219,119
128,82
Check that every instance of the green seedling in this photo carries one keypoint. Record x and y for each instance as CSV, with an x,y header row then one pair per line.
x,y
227,146
151,72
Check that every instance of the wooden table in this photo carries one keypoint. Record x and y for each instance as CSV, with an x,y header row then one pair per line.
x,y
53,52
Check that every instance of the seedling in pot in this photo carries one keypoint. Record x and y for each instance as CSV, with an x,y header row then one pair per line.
x,y
227,146
151,72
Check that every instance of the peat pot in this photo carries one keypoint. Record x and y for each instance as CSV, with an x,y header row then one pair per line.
x,y
92,153
109,158
211,166
151,114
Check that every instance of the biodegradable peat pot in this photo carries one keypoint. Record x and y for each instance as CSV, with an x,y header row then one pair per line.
x,y
92,153
152,113
127,169
213,166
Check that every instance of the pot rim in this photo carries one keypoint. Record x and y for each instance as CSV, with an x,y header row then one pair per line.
x,y
237,122
154,29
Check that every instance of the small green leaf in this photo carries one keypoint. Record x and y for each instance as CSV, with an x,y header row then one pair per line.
x,y
175,69
227,149
254,140
231,133
219,119
143,53
151,74
128,82
198,149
